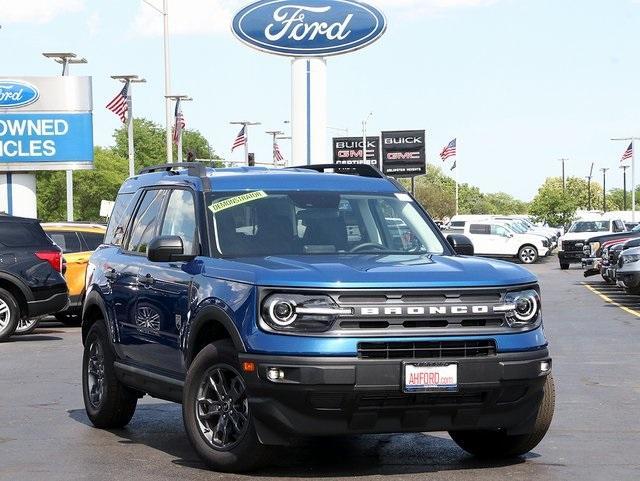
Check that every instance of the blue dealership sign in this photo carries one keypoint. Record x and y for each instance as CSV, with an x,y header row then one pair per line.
x,y
309,28
27,138
17,93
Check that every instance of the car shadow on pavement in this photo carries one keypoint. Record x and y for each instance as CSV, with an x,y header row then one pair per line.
x,y
35,337
160,427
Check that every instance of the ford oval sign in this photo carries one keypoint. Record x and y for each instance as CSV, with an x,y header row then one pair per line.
x,y
309,28
16,93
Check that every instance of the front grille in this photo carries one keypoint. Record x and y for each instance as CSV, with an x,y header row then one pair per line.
x,y
426,349
573,246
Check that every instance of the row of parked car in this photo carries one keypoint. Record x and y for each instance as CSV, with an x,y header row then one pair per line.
x,y
506,236
42,271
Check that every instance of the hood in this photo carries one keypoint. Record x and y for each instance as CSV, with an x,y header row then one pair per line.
x,y
583,236
369,271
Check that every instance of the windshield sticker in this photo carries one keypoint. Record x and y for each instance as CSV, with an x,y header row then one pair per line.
x,y
234,201
404,197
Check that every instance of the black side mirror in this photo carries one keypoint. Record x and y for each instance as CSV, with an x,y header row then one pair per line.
x,y
461,244
167,249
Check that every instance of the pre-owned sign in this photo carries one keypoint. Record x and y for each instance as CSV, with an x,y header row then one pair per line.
x,y
348,150
403,153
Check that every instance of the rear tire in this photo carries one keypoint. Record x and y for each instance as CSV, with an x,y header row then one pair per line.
x,y
216,412
528,254
109,403
497,444
9,315
27,326
564,267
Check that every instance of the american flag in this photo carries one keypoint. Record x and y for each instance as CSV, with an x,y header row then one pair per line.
x,y
628,153
119,105
276,153
449,151
180,123
241,139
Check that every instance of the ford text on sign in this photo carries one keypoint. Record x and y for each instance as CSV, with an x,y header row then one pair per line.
x,y
17,93
26,138
308,28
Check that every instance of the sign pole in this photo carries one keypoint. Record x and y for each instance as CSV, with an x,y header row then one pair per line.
x,y
633,179
132,154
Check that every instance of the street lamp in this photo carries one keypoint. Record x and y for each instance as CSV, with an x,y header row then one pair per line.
x,y
167,73
633,172
564,182
604,188
589,185
129,80
65,59
246,124
364,137
178,139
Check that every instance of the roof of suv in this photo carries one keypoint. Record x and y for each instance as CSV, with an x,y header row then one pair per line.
x,y
259,178
12,218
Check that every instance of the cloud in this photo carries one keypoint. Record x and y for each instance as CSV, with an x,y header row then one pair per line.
x,y
428,6
187,17
94,24
37,11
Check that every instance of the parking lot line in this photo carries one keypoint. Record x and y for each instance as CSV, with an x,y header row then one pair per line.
x,y
611,301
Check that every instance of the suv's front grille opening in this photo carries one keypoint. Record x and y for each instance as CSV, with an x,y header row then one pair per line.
x,y
426,349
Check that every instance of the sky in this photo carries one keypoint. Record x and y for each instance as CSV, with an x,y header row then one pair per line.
x,y
519,83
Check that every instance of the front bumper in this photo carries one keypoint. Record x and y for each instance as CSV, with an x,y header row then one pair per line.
x,y
591,266
335,396
629,279
570,257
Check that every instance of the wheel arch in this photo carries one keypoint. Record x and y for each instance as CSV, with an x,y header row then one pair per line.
x,y
93,310
18,290
210,324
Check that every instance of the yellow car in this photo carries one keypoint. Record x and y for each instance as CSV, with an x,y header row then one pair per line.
x,y
77,241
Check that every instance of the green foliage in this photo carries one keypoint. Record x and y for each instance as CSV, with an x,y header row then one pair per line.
x,y
556,206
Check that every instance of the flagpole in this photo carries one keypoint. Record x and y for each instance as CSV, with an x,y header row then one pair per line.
x,y
179,146
246,125
129,80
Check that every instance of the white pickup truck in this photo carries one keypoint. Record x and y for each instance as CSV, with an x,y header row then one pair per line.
x,y
493,238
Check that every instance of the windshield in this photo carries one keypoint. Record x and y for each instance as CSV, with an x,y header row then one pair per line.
x,y
590,226
519,228
319,223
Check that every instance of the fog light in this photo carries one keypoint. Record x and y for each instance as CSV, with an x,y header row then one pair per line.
x,y
275,374
545,366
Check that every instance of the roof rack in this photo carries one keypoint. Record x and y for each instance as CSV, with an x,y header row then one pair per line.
x,y
194,169
362,170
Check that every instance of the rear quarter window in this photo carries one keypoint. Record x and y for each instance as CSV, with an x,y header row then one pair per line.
x,y
14,234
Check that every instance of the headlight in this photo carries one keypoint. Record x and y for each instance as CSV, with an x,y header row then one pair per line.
x,y
630,259
545,243
296,312
605,253
522,308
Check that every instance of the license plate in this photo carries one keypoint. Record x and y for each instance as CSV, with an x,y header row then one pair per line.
x,y
430,377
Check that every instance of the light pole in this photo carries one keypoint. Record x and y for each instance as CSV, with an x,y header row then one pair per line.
x,y
129,80
246,124
178,99
564,181
624,185
364,137
274,134
604,188
589,185
633,172
66,59
167,72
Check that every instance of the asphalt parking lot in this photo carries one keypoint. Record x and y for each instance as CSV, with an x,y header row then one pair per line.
x,y
594,333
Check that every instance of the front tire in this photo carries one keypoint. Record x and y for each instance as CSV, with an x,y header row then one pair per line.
x,y
528,254
564,267
498,444
215,409
108,402
27,326
9,315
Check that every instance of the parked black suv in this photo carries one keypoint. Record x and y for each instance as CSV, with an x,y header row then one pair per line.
x,y
31,282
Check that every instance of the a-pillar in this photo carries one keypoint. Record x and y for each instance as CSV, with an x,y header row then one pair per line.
x,y
309,111
18,194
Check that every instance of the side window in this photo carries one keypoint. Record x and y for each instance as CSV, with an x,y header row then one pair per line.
x,y
14,234
180,219
499,230
118,219
481,229
618,226
145,223
67,241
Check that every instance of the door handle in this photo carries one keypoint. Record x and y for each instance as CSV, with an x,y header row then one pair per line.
x,y
146,280
111,275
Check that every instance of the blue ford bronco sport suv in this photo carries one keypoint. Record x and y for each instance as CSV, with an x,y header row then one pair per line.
x,y
312,301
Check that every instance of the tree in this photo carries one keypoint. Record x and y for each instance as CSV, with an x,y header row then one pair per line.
x,y
556,206
150,144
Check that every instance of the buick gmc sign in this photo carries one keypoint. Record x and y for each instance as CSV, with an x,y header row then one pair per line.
x,y
404,153
308,28
15,93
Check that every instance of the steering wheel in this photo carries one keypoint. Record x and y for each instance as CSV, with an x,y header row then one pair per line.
x,y
368,245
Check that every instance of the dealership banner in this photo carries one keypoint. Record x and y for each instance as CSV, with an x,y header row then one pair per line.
x,y
348,150
46,123
403,153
